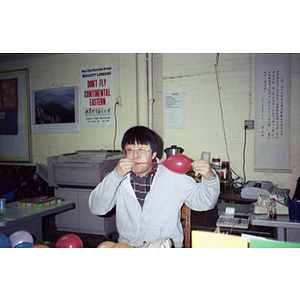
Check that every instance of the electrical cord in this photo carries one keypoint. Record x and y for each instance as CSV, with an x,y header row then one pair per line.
x,y
220,103
237,183
118,187
244,151
114,143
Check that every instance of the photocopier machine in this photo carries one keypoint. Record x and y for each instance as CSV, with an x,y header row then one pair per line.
x,y
74,176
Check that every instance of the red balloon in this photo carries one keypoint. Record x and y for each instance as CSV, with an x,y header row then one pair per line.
x,y
69,241
177,163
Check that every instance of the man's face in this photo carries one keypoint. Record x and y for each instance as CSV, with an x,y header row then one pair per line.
x,y
140,153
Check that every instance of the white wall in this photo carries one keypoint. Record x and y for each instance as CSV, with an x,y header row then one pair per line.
x,y
190,73
195,75
63,70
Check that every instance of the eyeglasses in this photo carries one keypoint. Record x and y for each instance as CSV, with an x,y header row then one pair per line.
x,y
140,151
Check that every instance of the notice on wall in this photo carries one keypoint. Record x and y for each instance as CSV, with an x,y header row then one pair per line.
x,y
97,96
272,112
174,110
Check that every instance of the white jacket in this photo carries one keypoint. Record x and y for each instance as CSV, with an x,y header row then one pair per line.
x,y
161,212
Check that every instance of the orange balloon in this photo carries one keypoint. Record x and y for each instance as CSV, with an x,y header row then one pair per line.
x,y
106,244
122,245
40,246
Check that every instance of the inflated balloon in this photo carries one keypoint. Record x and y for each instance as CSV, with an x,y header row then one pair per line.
x,y
177,163
106,244
19,237
40,246
69,241
122,245
24,245
4,241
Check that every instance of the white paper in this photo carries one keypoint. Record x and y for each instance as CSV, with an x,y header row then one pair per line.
x,y
174,110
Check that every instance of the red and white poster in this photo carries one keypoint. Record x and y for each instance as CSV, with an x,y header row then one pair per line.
x,y
97,96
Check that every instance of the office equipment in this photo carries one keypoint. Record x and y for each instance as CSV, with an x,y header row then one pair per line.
x,y
74,176
229,219
81,168
285,230
253,189
262,206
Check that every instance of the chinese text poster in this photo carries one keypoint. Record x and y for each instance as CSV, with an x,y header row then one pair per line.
x,y
272,112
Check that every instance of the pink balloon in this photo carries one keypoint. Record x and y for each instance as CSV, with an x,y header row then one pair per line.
x,y
19,237
69,241
177,163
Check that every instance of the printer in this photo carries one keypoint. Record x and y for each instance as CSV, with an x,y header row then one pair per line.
x,y
80,168
74,176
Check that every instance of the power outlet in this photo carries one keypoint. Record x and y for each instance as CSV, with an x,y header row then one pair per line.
x,y
249,124
118,101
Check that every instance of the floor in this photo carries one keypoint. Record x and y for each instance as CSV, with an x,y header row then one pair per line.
x,y
51,235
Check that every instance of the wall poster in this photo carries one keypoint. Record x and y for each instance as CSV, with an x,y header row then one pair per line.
x,y
97,96
174,110
272,113
14,117
55,110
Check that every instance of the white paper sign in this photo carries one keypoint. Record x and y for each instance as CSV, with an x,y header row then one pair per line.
x,y
174,110
272,112
97,96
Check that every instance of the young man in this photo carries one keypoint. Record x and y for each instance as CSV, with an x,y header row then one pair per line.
x,y
148,198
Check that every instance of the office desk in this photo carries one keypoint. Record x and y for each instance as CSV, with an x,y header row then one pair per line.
x,y
29,219
281,224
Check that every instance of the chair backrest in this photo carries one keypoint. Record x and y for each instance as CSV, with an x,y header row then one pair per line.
x,y
186,217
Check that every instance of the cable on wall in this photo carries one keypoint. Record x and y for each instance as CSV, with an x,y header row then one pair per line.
x,y
115,115
220,102
244,154
238,182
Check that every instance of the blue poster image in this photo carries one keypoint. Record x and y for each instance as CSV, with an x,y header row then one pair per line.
x,y
55,106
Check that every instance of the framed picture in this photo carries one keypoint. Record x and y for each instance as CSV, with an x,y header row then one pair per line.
x,y
55,110
14,117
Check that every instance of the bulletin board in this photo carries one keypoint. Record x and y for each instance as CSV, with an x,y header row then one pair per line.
x,y
14,117
272,140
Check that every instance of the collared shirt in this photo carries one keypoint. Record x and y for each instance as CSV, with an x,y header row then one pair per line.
x,y
141,186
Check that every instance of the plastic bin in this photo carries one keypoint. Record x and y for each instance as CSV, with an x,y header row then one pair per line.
x,y
294,210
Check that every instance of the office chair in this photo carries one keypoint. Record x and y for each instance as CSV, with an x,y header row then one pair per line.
x,y
186,222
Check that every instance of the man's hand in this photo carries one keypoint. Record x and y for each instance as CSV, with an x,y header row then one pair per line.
x,y
124,166
203,167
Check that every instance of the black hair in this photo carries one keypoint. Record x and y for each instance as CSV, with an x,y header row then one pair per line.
x,y
141,135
